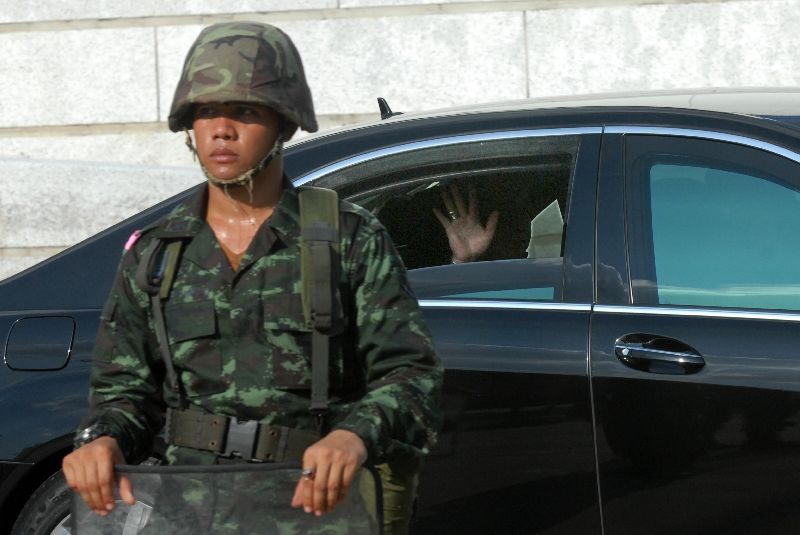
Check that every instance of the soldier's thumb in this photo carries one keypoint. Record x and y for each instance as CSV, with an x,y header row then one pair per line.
x,y
126,490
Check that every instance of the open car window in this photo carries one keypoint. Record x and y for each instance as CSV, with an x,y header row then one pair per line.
x,y
523,183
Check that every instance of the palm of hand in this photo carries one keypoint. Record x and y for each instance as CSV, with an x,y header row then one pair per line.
x,y
467,237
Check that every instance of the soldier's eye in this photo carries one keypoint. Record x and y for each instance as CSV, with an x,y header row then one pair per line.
x,y
204,112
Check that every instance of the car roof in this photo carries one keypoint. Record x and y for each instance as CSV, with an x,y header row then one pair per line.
x,y
772,102
779,104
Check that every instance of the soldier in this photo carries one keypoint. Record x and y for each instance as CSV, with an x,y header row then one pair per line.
x,y
238,351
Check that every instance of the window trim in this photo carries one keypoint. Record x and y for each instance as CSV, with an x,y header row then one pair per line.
x,y
705,134
699,312
529,133
504,305
579,133
443,141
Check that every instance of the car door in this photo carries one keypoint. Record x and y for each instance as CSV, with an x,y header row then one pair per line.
x,y
516,452
694,362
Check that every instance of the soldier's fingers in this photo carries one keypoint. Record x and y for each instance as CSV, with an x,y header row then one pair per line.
x,y
126,490
349,474
69,473
297,498
91,490
105,484
335,480
320,494
74,477
308,493
306,483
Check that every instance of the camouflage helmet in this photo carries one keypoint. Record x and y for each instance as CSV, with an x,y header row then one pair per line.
x,y
244,62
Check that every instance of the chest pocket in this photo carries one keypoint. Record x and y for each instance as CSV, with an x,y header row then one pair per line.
x,y
192,332
289,340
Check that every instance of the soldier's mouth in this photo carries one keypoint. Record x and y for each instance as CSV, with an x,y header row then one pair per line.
x,y
223,156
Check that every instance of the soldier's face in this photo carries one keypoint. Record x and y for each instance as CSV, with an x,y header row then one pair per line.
x,y
233,137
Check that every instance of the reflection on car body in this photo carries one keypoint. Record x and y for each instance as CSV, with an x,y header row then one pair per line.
x,y
638,377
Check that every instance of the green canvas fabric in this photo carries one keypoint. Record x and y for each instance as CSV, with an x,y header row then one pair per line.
x,y
241,346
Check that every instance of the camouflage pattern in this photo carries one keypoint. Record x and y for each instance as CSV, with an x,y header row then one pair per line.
x,y
241,346
244,62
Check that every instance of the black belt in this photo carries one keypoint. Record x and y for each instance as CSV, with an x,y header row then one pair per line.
x,y
228,437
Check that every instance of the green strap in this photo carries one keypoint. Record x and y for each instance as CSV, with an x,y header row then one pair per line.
x,y
148,276
172,255
155,275
317,205
163,346
319,248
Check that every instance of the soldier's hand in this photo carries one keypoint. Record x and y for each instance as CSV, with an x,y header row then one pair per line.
x,y
89,471
334,462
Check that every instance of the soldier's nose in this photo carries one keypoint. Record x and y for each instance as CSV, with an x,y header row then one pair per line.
x,y
223,129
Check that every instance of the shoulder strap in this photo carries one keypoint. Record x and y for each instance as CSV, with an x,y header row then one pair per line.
x,y
156,270
319,226
319,263
154,275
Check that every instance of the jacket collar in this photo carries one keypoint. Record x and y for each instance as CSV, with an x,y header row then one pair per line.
x,y
188,221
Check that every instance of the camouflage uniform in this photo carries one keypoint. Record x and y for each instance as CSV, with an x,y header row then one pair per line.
x,y
241,346
239,340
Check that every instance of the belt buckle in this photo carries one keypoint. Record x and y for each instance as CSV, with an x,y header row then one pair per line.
x,y
241,439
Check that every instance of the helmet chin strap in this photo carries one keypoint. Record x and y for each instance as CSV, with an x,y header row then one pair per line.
x,y
246,178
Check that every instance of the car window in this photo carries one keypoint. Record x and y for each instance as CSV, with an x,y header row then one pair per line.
x,y
717,225
517,187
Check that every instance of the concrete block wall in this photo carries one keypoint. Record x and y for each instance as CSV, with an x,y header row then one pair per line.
x,y
87,85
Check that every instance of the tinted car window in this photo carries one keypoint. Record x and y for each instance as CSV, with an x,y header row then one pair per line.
x,y
525,180
718,225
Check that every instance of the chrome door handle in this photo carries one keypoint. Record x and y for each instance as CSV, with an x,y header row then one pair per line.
x,y
650,353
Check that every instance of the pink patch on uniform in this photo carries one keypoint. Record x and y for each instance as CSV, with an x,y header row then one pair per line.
x,y
133,239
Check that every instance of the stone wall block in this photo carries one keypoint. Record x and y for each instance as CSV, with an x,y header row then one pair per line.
x,y
727,44
173,45
415,62
50,10
77,77
155,146
52,204
374,3
139,148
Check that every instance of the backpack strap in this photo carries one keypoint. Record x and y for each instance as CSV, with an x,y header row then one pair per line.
x,y
319,271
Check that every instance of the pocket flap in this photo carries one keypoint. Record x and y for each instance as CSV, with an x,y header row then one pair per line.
x,y
186,321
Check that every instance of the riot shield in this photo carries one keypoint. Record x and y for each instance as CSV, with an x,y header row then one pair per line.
x,y
227,499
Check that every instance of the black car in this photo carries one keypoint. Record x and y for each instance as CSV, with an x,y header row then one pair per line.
x,y
622,360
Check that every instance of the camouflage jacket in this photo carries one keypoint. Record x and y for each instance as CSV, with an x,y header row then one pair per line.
x,y
241,347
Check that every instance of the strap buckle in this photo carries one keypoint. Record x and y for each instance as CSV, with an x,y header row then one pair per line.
x,y
241,439
320,411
